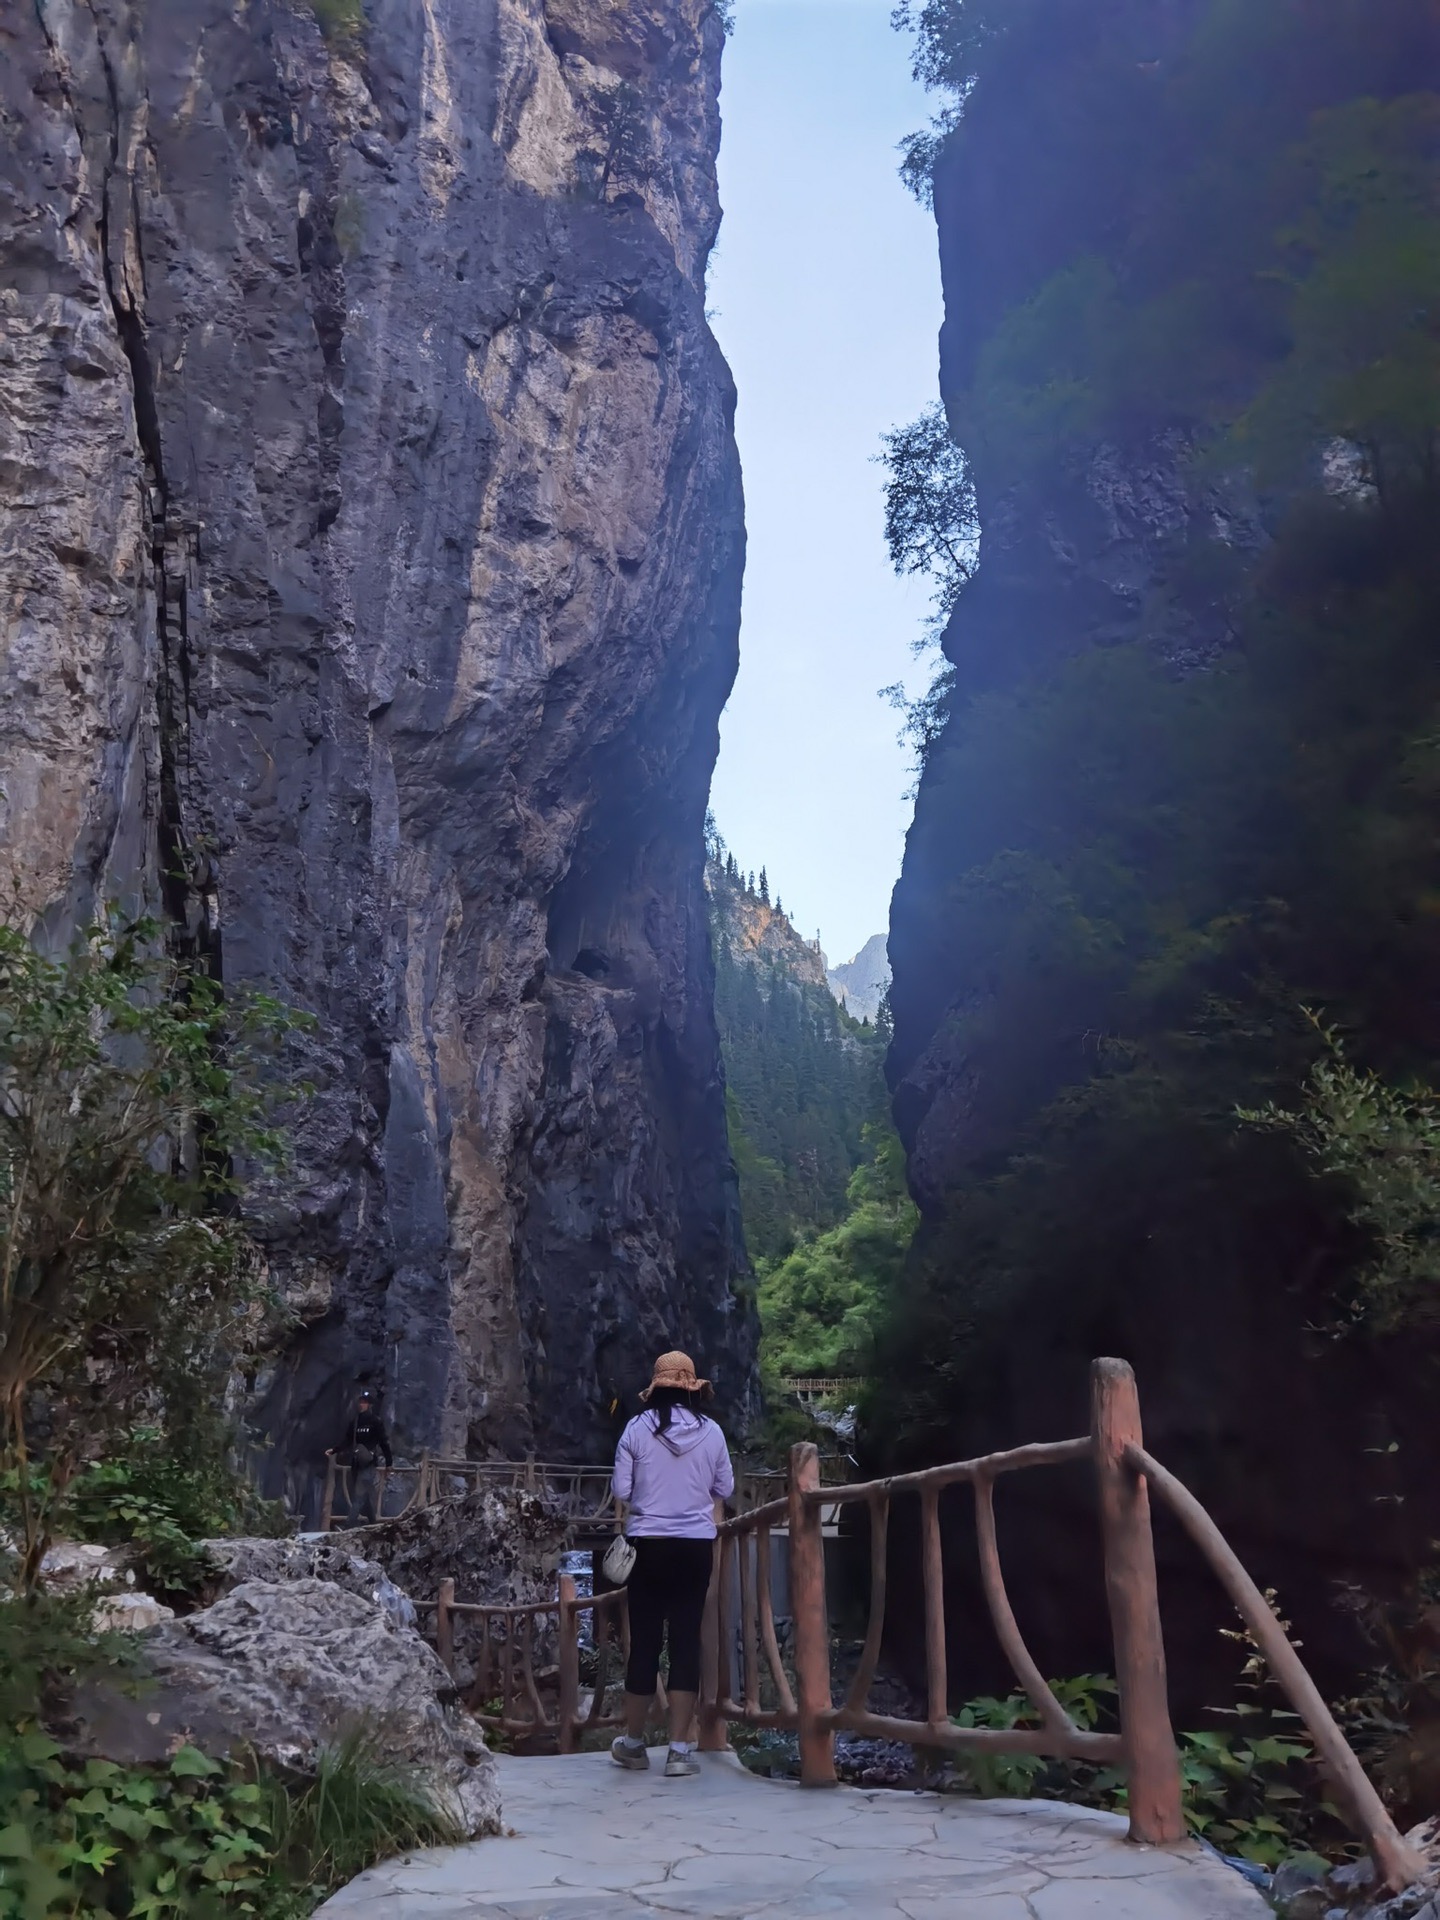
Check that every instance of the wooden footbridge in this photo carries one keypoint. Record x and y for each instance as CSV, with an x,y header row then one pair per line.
x,y
525,1662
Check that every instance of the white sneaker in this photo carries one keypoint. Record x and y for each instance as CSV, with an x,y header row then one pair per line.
x,y
625,1755
680,1763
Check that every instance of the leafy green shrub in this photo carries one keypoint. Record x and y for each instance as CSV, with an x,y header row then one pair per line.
x,y
48,1644
1249,1794
190,1840
341,21
1383,1141
134,1087
1026,1775
196,1839
142,1495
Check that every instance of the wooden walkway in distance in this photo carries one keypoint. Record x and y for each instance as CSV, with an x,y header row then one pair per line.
x,y
582,1491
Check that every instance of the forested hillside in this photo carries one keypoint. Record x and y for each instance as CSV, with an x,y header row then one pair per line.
x,y
826,1215
1181,784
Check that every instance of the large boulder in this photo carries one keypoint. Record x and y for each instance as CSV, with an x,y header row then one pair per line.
x,y
500,1547
309,1556
285,1667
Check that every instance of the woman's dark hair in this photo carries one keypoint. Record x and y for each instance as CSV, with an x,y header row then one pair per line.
x,y
663,1401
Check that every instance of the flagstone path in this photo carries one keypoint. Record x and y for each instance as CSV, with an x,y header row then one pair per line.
x,y
586,1841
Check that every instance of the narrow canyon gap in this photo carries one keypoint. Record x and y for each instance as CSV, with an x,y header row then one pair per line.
x,y
371,574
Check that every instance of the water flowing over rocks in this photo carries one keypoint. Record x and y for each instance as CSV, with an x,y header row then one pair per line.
x,y
370,538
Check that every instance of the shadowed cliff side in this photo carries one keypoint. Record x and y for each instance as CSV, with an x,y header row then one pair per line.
x,y
371,558
1177,784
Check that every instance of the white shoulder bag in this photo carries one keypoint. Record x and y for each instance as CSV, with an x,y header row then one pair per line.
x,y
619,1561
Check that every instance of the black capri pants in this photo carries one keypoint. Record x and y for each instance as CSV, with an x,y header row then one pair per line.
x,y
667,1584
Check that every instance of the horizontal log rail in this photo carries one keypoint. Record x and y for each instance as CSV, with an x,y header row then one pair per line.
x,y
511,1674
1397,1863
745,1678
583,1491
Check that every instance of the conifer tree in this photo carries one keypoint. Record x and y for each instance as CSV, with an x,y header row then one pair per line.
x,y
764,887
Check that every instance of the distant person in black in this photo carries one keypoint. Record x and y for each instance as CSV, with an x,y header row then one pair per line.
x,y
367,1444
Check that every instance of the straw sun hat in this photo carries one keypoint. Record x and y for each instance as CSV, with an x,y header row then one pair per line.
x,y
676,1370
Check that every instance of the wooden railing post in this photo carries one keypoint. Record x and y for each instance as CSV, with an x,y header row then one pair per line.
x,y
1152,1764
1399,1863
327,1503
569,1666
937,1686
714,1732
445,1626
812,1626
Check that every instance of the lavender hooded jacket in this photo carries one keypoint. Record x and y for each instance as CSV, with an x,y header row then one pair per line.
x,y
672,1480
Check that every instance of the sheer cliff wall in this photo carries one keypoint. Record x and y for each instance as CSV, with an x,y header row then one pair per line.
x,y
371,555
1124,883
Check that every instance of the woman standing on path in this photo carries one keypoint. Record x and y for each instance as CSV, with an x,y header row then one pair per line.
x,y
672,1471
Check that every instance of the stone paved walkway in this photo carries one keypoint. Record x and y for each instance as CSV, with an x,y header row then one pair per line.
x,y
588,1842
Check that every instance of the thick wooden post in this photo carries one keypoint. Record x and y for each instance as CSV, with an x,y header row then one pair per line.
x,y
569,1666
714,1732
1152,1764
445,1626
937,1690
812,1625
327,1503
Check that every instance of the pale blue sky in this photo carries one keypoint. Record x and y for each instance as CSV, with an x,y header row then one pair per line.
x,y
827,302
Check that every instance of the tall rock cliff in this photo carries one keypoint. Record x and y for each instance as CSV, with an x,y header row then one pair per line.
x,y
371,555
1176,798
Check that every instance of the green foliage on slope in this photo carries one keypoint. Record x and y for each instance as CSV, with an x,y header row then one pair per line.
x,y
827,1217
802,1080
819,1305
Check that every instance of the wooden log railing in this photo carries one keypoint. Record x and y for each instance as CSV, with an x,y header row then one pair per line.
x,y
582,1491
741,1654
817,1386
512,1672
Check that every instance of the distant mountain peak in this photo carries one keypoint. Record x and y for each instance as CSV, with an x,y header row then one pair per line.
x,y
859,984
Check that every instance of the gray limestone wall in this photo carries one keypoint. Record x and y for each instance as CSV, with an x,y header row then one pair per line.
x,y
370,555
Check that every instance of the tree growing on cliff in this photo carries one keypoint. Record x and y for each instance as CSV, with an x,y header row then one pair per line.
x,y
131,1087
932,526
1383,1142
620,155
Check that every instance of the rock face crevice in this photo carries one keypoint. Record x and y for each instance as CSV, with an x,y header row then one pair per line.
x,y
371,555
